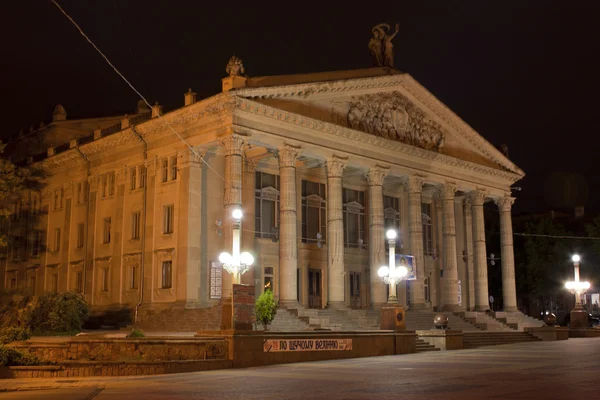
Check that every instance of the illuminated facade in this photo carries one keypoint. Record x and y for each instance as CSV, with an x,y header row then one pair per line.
x,y
322,164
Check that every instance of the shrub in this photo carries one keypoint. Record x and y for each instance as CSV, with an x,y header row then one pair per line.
x,y
266,309
10,356
14,334
136,333
53,314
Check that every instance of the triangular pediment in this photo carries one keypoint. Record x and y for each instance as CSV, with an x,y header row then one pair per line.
x,y
393,107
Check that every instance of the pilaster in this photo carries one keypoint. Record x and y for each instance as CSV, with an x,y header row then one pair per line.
x,y
468,246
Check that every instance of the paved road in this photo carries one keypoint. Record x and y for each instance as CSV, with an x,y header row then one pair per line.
x,y
540,370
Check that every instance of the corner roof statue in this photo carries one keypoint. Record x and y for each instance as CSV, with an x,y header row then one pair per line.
x,y
381,46
235,66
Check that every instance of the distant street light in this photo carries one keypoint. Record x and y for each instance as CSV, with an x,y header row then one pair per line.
x,y
578,313
236,264
390,274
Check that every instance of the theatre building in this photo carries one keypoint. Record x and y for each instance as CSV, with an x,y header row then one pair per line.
x,y
137,208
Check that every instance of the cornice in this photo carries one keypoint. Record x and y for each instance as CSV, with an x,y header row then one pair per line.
x,y
409,84
58,160
256,108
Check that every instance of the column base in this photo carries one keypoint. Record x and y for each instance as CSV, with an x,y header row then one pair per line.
x,y
420,307
510,309
289,304
450,307
482,308
337,305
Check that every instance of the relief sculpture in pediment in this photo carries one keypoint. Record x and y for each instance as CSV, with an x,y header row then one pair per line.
x,y
393,116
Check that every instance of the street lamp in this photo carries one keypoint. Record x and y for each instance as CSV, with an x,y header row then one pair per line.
x,y
578,313
390,274
236,264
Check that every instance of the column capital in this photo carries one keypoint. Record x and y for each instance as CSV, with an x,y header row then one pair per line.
x,y
447,191
375,175
477,197
233,145
190,157
504,203
335,167
288,155
414,184
467,204
249,166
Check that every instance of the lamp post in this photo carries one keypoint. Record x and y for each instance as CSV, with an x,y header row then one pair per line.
x,y
390,274
579,318
236,264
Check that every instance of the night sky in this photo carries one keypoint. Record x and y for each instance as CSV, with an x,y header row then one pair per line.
x,y
523,73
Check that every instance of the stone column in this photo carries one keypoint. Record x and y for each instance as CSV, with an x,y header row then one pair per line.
x,y
335,232
376,234
288,232
509,295
248,199
480,256
449,243
467,207
233,195
414,185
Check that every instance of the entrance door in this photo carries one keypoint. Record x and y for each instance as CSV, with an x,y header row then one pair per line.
x,y
355,298
314,288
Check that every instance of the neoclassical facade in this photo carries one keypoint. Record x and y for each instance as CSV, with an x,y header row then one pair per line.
x,y
137,208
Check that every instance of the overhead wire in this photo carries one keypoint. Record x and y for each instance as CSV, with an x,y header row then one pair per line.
x,y
198,155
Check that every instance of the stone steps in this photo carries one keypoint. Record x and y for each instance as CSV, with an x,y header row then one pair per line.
x,y
517,320
423,346
475,339
423,320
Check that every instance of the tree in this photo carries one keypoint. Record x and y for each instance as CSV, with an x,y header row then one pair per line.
x,y
11,183
13,179
266,308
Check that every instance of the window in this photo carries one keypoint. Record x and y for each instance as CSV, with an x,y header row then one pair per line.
x,y
135,225
57,239
80,235
314,212
391,216
268,279
169,216
266,204
427,229
57,199
32,282
133,277
108,184
37,243
111,183
79,282
34,204
167,270
354,218
13,283
426,289
173,167
133,178
165,169
81,192
142,176
107,225
54,283
104,281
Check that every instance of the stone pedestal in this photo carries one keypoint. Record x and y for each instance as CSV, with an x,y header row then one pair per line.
x,y
243,307
393,318
443,339
579,318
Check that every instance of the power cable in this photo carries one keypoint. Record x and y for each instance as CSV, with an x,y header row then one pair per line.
x,y
134,89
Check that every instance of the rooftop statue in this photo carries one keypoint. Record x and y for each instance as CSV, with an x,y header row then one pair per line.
x,y
235,66
381,46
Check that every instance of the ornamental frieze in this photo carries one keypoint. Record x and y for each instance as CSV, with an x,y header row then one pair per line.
x,y
392,116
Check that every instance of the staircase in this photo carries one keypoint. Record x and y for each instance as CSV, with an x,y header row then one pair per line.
x,y
287,321
484,321
472,340
517,320
423,346
423,320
